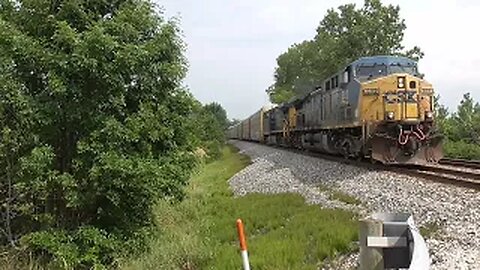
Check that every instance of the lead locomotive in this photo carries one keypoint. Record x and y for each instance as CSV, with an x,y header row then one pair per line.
x,y
377,107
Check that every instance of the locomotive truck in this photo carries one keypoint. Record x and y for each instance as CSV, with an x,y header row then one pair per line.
x,y
377,107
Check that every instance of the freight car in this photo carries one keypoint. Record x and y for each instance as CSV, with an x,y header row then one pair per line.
x,y
377,107
250,129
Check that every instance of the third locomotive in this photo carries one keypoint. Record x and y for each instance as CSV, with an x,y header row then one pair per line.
x,y
377,107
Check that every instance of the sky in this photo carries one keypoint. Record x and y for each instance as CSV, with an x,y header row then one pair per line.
x,y
232,45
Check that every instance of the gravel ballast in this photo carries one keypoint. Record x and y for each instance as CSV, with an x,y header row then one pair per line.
x,y
454,210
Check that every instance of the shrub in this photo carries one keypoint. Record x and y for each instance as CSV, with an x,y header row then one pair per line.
x,y
86,247
95,126
461,149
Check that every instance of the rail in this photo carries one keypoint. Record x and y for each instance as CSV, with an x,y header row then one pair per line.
x,y
453,176
473,164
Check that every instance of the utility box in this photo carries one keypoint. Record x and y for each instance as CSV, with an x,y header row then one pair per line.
x,y
391,241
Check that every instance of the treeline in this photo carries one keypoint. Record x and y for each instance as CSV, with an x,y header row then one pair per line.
x,y
344,35
461,129
95,128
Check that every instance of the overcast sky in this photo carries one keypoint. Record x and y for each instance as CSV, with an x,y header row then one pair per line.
x,y
233,44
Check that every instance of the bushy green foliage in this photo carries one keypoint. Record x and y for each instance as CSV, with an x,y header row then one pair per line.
x,y
86,247
461,149
461,129
95,126
343,35
211,121
283,232
219,113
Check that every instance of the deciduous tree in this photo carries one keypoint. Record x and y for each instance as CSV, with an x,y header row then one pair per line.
x,y
344,34
94,125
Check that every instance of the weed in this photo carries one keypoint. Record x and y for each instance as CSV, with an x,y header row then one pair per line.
x,y
430,229
343,197
282,231
338,195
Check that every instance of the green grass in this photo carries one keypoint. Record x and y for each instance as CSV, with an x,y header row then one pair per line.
x,y
11,259
338,195
282,231
343,197
430,230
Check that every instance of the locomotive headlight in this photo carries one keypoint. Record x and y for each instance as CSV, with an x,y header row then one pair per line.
x,y
401,82
390,115
429,115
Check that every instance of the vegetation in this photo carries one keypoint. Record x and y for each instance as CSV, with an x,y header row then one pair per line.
x,y
282,231
94,129
343,197
343,35
461,129
430,230
219,113
339,195
98,142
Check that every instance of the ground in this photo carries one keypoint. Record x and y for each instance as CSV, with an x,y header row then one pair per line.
x,y
283,231
448,215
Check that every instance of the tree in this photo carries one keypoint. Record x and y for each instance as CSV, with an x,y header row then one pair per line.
x,y
343,35
219,113
466,121
233,122
441,116
460,129
95,126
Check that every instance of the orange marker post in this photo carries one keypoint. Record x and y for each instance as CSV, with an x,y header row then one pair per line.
x,y
243,244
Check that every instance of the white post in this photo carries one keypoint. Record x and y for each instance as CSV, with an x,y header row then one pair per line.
x,y
243,245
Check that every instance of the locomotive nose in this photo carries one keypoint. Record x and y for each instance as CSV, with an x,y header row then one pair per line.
x,y
405,133
406,102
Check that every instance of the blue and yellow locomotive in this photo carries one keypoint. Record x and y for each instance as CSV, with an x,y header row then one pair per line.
x,y
378,107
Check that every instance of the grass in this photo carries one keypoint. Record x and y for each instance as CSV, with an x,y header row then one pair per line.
x,y
430,230
282,231
11,259
338,195
343,197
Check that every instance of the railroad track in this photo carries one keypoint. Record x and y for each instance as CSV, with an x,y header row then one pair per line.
x,y
453,175
473,164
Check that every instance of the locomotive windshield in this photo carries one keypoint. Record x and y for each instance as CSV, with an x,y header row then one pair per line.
x,y
368,68
371,72
412,70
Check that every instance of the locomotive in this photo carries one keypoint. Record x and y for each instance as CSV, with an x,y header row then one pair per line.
x,y
377,107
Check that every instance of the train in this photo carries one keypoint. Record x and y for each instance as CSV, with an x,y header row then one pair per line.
x,y
378,108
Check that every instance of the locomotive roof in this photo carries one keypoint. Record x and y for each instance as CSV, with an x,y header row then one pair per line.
x,y
387,60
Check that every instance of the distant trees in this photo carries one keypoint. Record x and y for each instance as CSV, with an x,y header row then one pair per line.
x,y
219,112
233,122
343,35
461,129
210,125
94,127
